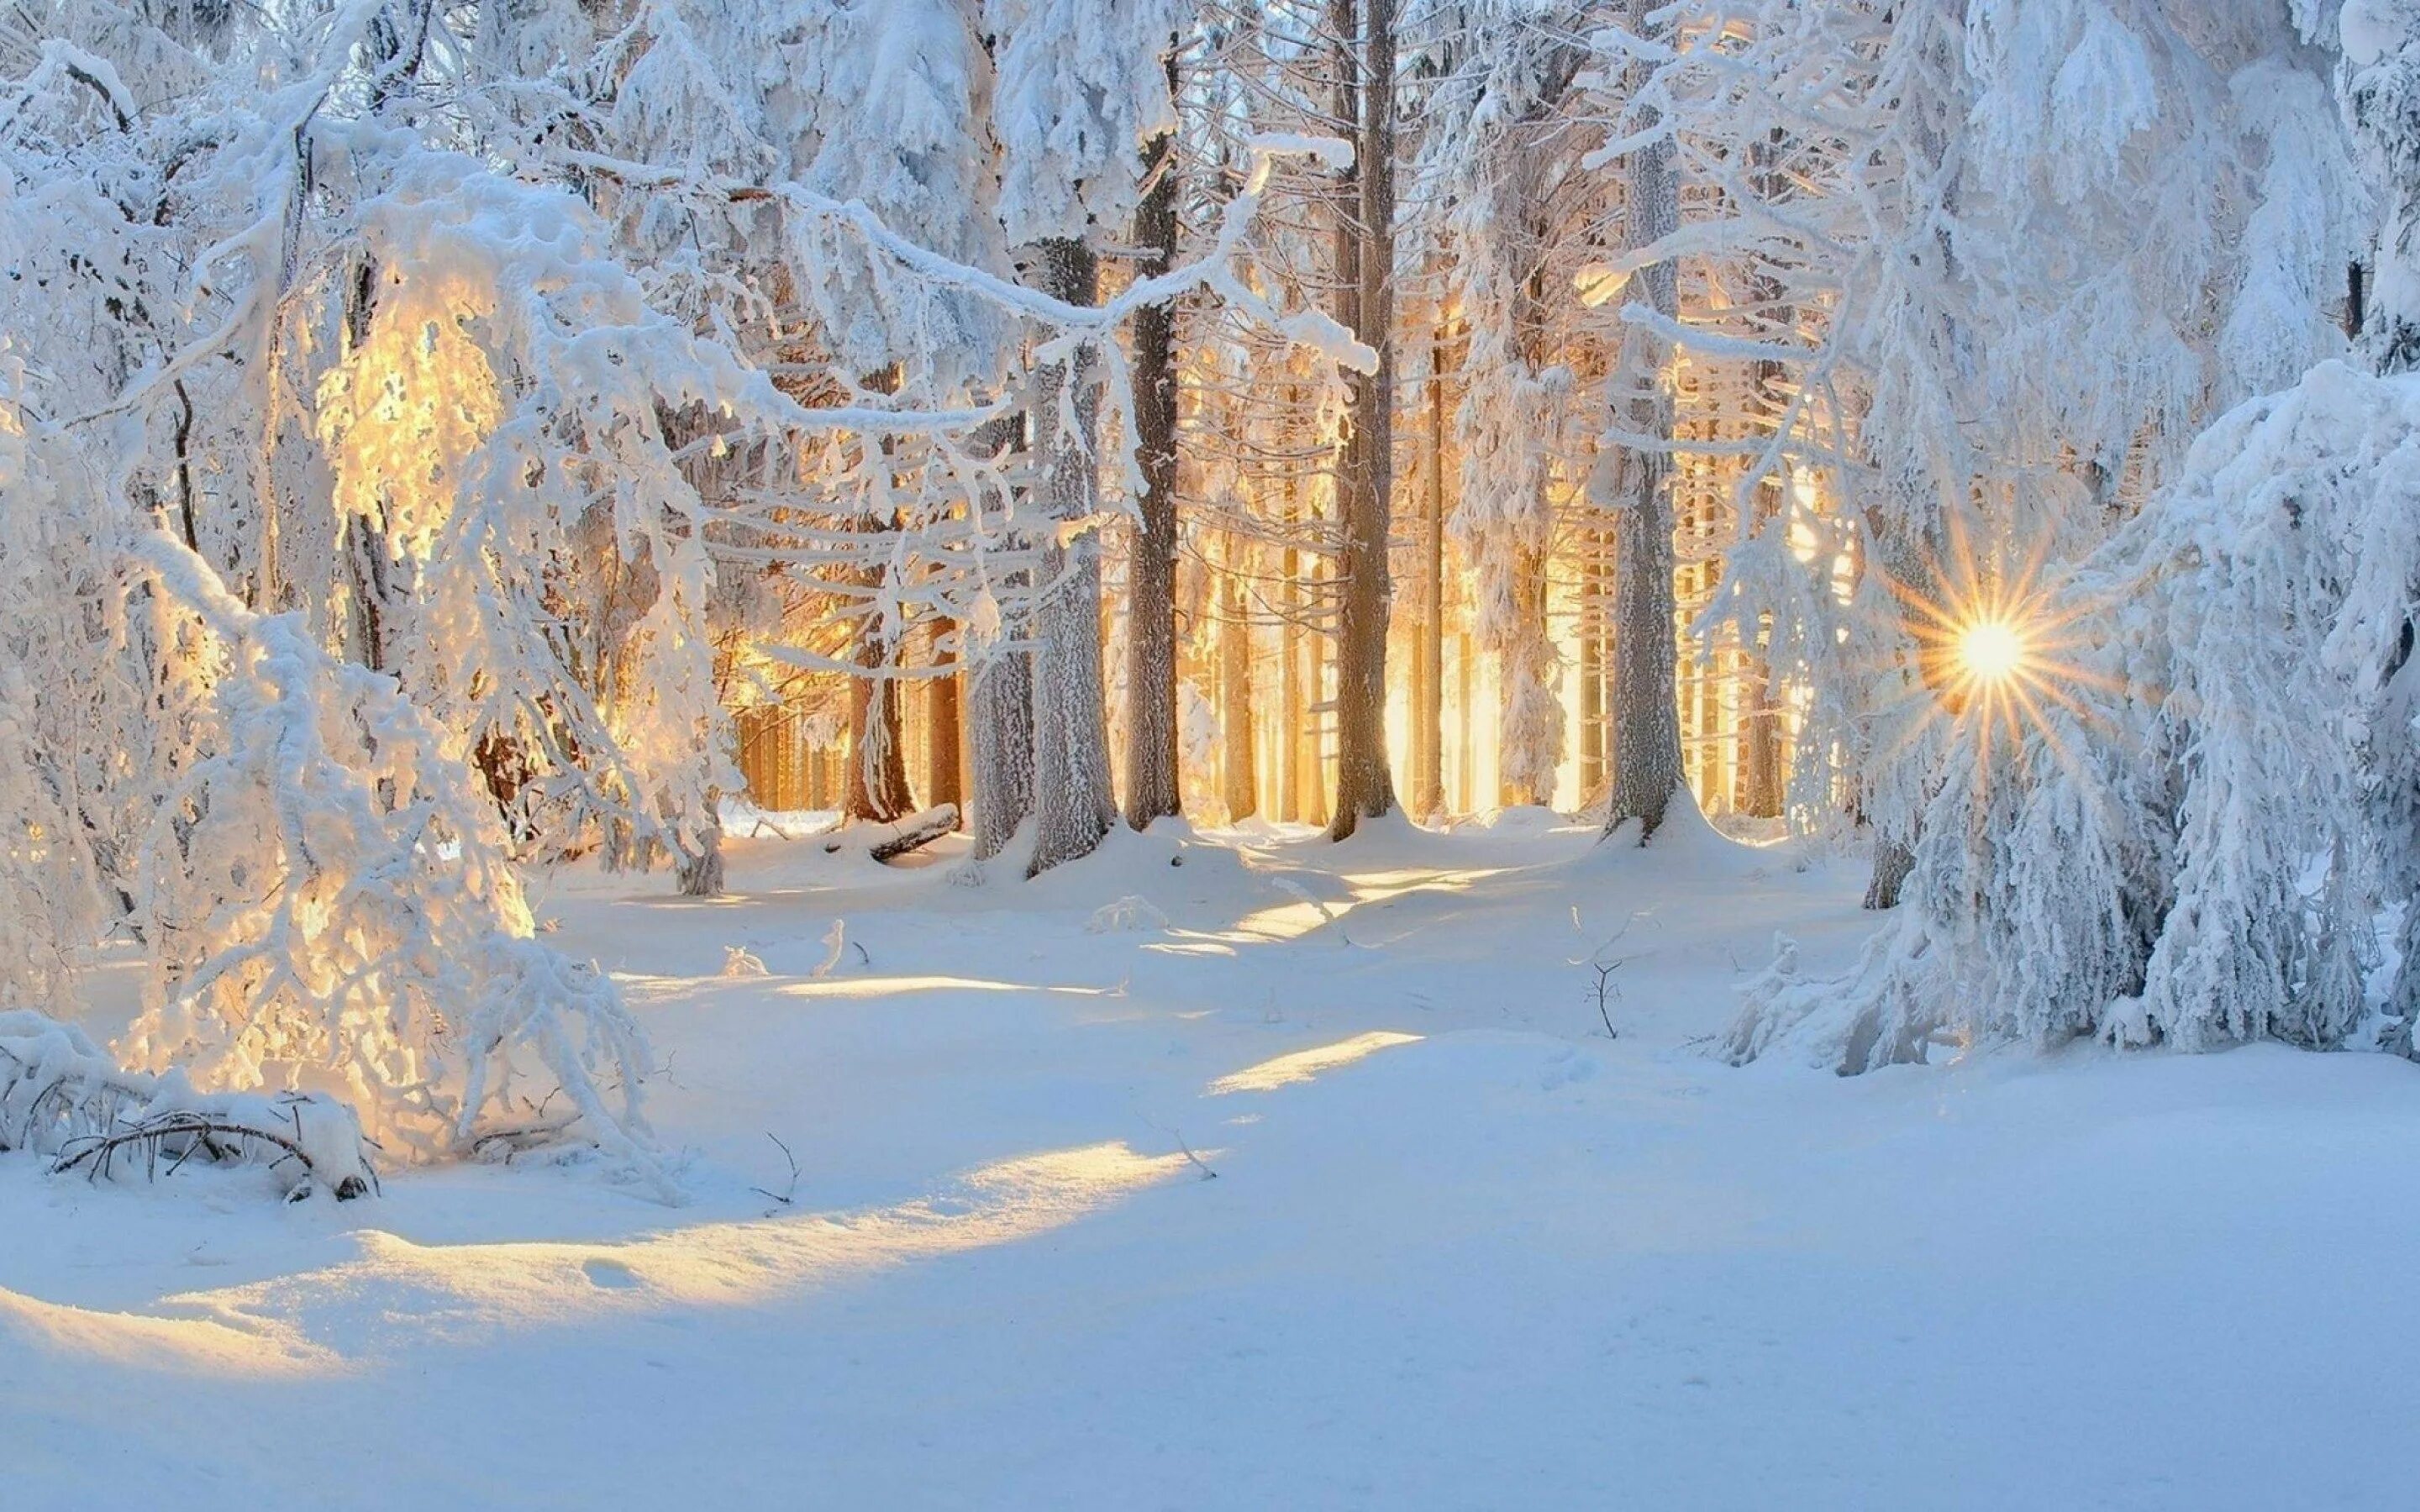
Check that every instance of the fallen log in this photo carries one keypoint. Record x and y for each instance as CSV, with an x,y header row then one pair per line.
x,y
912,833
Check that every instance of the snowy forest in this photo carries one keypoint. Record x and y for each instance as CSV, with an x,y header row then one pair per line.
x,y
787,668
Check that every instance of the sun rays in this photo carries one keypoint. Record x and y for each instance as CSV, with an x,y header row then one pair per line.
x,y
1990,651
2002,649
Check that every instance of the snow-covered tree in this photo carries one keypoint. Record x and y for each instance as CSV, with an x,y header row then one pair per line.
x,y
2380,88
2159,825
1082,87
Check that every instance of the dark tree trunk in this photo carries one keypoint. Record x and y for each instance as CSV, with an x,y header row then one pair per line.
x,y
1365,787
1893,862
1647,728
1151,577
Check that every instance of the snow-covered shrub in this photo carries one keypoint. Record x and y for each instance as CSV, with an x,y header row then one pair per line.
x,y
62,1097
328,903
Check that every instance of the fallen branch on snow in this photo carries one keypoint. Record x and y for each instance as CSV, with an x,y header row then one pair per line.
x,y
61,1096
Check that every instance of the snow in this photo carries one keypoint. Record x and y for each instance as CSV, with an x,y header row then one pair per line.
x,y
1460,1249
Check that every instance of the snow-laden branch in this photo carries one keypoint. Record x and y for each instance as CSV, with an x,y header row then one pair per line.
x,y
340,908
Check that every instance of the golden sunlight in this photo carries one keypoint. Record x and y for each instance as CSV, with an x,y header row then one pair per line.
x,y
1303,1065
1998,649
1991,650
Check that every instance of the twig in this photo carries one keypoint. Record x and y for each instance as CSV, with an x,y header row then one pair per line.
x,y
1192,1159
522,1136
790,1191
1605,991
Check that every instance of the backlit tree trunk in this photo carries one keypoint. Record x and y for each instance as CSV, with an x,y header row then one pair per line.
x,y
1428,657
943,730
878,762
1364,786
1293,708
1239,781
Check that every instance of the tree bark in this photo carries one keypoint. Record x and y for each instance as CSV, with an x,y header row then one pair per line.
x,y
1528,743
701,875
1465,753
1594,744
1428,657
1239,782
1647,728
944,728
1293,713
1000,704
1893,860
1152,790
1000,689
1072,798
1365,787
878,756
878,761
1906,563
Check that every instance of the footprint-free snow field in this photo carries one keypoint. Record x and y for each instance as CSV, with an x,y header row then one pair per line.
x,y
1245,1171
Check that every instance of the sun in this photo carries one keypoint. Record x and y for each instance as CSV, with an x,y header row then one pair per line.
x,y
1991,650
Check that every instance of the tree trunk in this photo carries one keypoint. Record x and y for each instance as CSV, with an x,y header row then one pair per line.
x,y
878,761
877,775
1593,742
701,875
1293,713
1071,769
943,727
1312,768
1151,606
1905,562
1000,691
1000,704
1528,744
1647,728
1893,860
1365,787
1239,782
1428,656
1465,754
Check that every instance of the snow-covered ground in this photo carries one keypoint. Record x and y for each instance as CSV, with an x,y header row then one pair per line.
x,y
1461,1249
